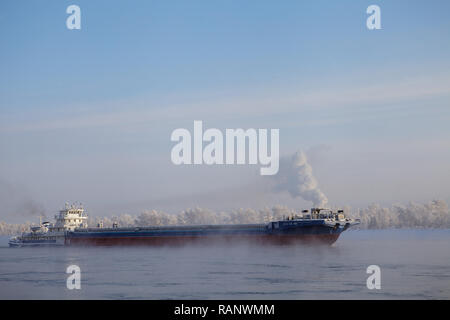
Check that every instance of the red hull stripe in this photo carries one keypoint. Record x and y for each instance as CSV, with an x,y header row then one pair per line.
x,y
182,240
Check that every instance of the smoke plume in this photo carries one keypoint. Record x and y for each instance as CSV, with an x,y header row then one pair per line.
x,y
296,177
16,201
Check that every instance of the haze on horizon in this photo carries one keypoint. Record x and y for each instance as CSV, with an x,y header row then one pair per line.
x,y
87,115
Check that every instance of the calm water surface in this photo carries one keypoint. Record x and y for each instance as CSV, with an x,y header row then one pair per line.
x,y
415,264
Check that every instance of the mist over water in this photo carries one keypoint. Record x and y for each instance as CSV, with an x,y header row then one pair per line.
x,y
414,265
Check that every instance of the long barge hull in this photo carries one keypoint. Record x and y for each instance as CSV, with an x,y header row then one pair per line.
x,y
327,239
279,233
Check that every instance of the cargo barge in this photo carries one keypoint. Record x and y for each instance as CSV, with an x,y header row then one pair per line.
x,y
322,226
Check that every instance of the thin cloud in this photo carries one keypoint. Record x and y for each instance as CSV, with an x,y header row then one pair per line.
x,y
343,98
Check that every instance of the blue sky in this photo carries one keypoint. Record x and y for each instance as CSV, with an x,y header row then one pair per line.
x,y
87,114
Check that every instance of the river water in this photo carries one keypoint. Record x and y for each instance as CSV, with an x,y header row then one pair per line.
x,y
414,264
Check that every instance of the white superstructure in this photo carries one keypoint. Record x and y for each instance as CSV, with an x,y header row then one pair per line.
x,y
68,219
